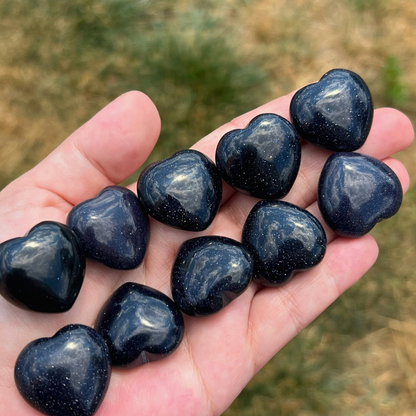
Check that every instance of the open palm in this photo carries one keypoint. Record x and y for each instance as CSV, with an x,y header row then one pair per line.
x,y
220,353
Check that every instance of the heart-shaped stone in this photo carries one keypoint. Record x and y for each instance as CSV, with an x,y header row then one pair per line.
x,y
283,239
139,324
261,160
356,191
335,113
65,375
44,270
183,191
112,228
208,273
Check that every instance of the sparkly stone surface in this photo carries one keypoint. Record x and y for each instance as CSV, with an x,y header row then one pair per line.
x,y
335,113
208,273
283,239
183,191
66,375
112,228
357,191
139,325
44,270
261,160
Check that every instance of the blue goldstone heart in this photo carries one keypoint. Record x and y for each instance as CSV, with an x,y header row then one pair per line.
x,y
65,375
283,239
357,191
208,273
44,270
112,228
335,113
139,325
183,191
261,160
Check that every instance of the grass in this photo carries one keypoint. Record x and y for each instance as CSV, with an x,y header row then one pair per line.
x,y
77,56
362,5
394,89
203,63
204,75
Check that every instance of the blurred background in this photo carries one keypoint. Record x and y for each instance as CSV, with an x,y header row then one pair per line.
x,y
203,63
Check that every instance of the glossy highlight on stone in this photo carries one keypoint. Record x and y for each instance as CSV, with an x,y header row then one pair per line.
x,y
209,272
335,113
140,325
44,270
183,191
65,375
356,192
283,239
261,160
112,227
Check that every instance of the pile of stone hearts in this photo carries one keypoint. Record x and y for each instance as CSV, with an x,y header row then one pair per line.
x,y
44,270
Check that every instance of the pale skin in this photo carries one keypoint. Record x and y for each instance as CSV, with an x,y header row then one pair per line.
x,y
219,354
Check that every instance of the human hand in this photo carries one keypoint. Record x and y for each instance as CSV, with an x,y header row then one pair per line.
x,y
220,353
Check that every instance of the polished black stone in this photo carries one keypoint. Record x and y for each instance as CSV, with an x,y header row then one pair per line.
x,y
44,270
283,239
335,113
209,272
112,228
261,160
139,324
183,191
65,375
355,192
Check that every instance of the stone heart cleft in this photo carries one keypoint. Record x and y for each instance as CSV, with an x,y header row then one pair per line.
x,y
335,113
139,325
355,192
183,191
261,160
112,228
208,273
44,270
65,375
283,239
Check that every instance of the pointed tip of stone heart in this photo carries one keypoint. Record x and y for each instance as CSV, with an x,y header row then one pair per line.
x,y
335,113
65,375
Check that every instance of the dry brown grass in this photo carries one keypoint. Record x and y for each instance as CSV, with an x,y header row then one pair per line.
x,y
387,358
